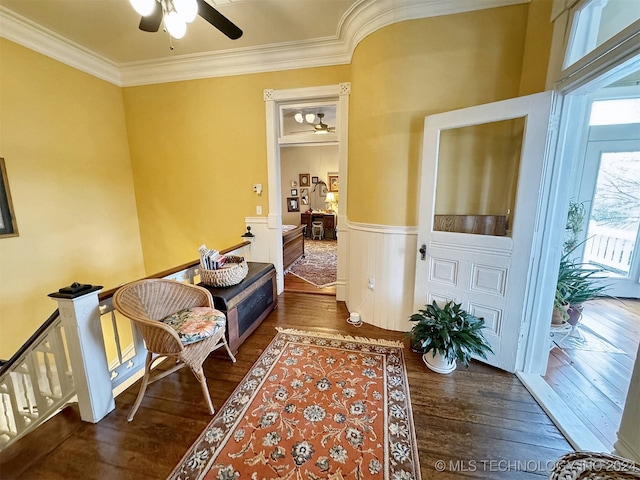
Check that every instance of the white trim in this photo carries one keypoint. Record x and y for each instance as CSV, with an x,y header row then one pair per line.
x,y
338,94
388,229
602,60
574,430
28,34
364,18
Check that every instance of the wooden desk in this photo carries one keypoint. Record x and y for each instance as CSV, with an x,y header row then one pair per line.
x,y
328,222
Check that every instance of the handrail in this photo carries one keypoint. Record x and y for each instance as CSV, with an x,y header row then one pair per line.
x,y
30,341
165,273
103,296
42,376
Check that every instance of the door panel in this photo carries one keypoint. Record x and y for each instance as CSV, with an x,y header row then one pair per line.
x,y
483,161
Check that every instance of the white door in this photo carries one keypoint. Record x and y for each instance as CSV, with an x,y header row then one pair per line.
x,y
482,166
610,191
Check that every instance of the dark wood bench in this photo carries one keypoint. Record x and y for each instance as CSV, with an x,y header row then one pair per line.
x,y
248,303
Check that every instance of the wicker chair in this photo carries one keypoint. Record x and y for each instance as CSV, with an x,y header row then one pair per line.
x,y
147,303
594,466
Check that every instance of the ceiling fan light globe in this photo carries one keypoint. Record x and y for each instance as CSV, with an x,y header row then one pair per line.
x,y
175,25
143,7
310,117
187,9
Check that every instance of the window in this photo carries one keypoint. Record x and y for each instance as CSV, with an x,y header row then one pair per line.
x,y
615,112
595,22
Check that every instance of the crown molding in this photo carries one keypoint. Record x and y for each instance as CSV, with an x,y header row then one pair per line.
x,y
364,18
31,35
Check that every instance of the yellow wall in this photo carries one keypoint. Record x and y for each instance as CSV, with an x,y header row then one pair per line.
x,y
537,47
409,70
197,148
75,147
63,137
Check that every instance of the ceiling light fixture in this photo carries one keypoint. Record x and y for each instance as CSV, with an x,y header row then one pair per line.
x,y
298,117
175,13
310,117
143,7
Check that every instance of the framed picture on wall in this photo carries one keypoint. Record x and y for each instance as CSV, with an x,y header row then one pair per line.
x,y
333,181
8,225
304,196
322,188
292,204
305,180
314,180
294,192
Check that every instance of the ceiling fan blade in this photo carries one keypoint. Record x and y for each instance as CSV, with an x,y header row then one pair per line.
x,y
151,23
218,20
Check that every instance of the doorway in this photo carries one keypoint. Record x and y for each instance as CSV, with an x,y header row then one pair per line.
x,y
286,115
315,268
590,366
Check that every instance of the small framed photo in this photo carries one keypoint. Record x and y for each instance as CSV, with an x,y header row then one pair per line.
x,y
322,189
314,180
292,204
8,225
333,181
304,196
305,180
294,192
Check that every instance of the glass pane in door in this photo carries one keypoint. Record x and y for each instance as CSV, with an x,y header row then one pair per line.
x,y
615,213
477,177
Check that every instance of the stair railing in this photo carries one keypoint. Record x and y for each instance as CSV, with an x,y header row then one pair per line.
x,y
65,360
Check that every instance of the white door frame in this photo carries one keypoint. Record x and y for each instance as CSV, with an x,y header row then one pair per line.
x,y
273,98
573,99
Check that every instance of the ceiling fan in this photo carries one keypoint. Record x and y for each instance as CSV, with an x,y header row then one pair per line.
x,y
321,127
177,13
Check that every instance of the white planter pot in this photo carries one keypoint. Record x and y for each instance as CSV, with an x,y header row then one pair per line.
x,y
438,363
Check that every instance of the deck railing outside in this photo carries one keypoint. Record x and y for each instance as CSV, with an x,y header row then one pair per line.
x,y
610,249
43,376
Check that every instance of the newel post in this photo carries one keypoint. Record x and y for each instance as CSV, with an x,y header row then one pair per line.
x,y
80,316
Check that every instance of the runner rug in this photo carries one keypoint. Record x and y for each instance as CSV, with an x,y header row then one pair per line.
x,y
314,406
319,266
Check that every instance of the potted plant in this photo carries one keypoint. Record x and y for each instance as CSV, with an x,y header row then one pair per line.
x,y
574,225
446,335
577,283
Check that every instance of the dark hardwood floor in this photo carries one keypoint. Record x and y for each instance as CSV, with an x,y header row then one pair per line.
x,y
594,383
481,422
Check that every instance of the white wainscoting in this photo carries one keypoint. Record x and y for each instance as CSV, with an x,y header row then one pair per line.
x,y
386,254
260,242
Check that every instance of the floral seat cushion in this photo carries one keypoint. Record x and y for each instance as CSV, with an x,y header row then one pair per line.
x,y
195,324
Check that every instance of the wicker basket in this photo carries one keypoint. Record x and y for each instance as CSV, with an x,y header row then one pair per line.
x,y
234,271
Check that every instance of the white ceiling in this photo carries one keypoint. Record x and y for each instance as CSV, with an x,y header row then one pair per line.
x,y
102,37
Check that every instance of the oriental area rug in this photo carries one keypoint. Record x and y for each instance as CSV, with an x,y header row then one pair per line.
x,y
313,406
319,266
